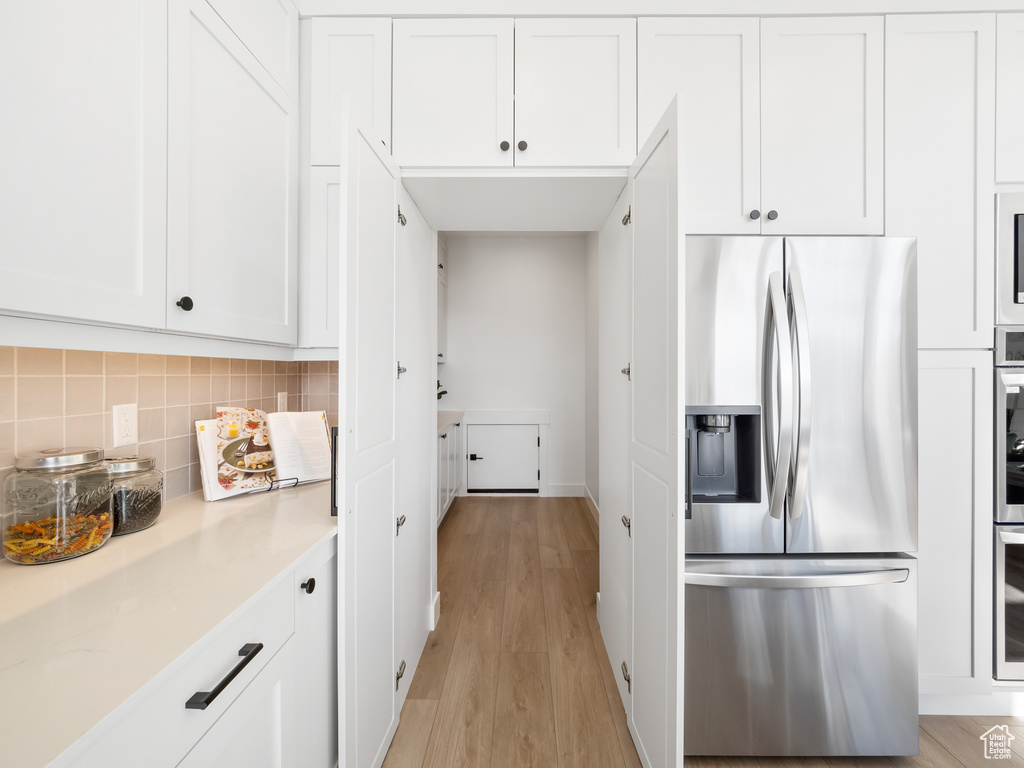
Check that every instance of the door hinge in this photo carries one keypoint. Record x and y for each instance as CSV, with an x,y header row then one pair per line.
x,y
628,678
398,524
401,370
401,216
628,217
538,442
401,673
538,474
628,372
629,525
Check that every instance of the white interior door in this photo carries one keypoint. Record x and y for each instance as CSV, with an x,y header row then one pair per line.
x,y
656,474
614,255
368,450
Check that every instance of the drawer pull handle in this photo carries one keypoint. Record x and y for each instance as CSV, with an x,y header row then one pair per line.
x,y
309,586
203,699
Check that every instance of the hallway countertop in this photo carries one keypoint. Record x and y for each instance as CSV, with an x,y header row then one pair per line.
x,y
444,418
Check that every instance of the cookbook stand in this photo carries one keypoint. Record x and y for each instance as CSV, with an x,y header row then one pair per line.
x,y
277,485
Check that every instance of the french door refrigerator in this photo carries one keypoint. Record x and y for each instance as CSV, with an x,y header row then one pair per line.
x,y
801,599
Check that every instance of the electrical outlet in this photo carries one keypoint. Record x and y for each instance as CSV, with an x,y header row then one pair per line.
x,y
126,424
282,401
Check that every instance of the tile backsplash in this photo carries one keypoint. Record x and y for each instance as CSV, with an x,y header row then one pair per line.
x,y
56,398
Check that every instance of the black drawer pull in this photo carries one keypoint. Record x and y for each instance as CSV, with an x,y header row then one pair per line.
x,y
203,699
309,586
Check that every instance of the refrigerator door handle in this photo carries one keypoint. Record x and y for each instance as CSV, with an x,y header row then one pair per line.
x,y
801,581
797,308
689,476
777,465
1011,537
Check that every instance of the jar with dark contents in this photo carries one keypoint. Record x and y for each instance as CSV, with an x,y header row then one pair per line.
x,y
55,505
136,493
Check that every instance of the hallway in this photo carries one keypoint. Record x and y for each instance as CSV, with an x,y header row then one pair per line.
x,y
516,673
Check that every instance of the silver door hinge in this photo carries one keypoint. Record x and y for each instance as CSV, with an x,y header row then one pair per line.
x,y
629,525
401,370
398,524
538,474
401,216
628,678
628,217
400,673
538,442
628,372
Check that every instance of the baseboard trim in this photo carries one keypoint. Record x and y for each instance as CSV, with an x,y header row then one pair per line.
x,y
565,489
435,611
592,505
997,704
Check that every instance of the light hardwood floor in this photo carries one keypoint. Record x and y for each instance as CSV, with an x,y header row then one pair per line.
x,y
516,674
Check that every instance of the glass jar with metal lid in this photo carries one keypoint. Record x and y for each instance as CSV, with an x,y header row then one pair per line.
x,y
55,505
137,489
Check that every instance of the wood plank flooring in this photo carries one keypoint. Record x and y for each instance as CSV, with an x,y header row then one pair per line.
x,y
516,674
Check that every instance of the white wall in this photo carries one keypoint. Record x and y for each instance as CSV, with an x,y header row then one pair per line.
x,y
590,404
516,312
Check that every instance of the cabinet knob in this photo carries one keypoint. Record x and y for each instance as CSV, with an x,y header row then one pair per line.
x,y
773,215
309,586
186,303
522,146
504,146
755,214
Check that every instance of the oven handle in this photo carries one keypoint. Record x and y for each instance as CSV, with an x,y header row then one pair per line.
x,y
1011,537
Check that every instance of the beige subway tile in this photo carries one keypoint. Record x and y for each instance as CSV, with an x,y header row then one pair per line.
x,y
317,402
281,368
152,365
121,364
176,390
253,387
177,365
269,367
200,365
121,390
239,367
269,404
317,366
193,452
281,384
294,388
195,478
253,367
199,389
6,361
38,435
318,384
7,452
151,424
83,363
177,451
220,366
32,361
201,412
303,368
84,431
151,391
82,395
155,450
294,403
7,398
332,367
40,397
177,421
237,391
333,383
176,483
220,389
267,385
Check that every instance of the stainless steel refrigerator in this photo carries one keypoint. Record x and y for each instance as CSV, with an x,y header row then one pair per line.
x,y
801,597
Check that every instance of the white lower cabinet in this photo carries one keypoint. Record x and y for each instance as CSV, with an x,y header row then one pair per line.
x,y
955,402
449,460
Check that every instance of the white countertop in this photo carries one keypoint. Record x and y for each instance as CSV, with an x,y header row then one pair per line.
x,y
79,637
444,418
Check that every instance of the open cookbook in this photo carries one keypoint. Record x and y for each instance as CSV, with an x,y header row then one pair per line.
x,y
245,450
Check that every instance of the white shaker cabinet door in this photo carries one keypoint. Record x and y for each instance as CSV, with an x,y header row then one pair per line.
x,y
232,186
575,92
1010,97
713,65
347,57
955,396
453,97
83,160
821,125
940,85
442,319
319,259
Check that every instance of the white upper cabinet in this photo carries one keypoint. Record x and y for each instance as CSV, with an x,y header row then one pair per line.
x,y
83,160
821,125
453,81
232,186
713,64
575,92
320,257
503,92
347,57
940,101
1009,101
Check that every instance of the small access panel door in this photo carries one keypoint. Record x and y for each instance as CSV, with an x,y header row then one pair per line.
x,y
503,458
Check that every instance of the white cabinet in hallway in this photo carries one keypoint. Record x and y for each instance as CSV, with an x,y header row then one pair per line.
x,y
940,94
449,466
503,457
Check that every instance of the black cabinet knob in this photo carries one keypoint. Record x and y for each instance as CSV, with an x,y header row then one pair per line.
x,y
755,214
309,586
186,303
773,215
504,146
522,146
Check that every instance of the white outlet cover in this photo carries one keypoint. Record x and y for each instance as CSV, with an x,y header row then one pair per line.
x,y
126,424
282,401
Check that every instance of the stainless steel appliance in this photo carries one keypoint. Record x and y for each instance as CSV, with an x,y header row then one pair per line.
x,y
801,602
1010,258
